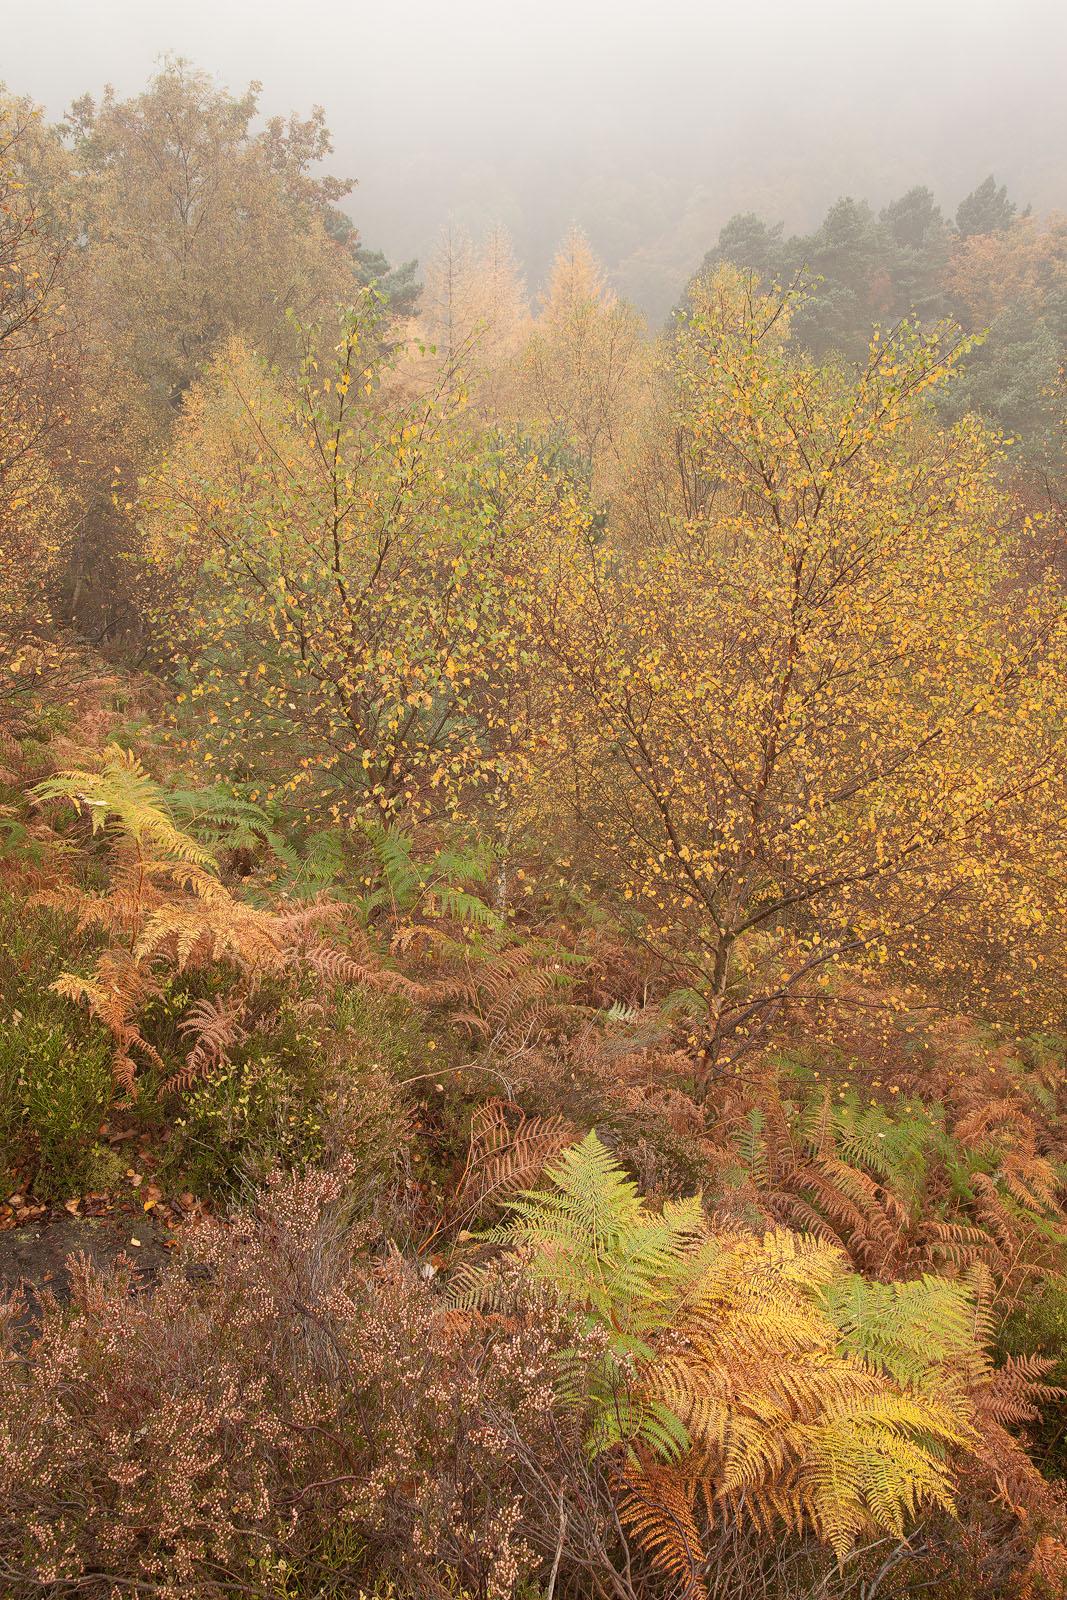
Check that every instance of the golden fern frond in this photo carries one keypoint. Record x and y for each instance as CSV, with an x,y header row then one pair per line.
x,y
874,1465
1046,1570
300,922
195,877
992,1213
470,1020
819,1129
122,790
1013,1393
1002,1114
799,1213
780,1152
114,993
959,1243
516,990
1032,1180
1017,1482
455,991
848,1206
757,1370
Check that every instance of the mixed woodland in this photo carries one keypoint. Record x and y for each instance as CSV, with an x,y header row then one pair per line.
x,y
533,857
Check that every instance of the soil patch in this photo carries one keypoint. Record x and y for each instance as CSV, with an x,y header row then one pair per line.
x,y
34,1255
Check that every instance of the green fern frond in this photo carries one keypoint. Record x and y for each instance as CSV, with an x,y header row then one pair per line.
x,y
222,819
462,906
393,852
908,1330
896,1146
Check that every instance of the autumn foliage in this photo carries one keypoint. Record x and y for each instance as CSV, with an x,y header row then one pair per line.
x,y
548,843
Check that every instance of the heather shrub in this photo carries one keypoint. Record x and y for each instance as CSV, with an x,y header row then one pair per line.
x,y
283,1415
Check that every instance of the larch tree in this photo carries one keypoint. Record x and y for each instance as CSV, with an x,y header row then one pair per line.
x,y
501,291
447,307
475,315
502,324
586,360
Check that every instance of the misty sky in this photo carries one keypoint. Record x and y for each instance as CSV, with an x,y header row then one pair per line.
x,y
647,123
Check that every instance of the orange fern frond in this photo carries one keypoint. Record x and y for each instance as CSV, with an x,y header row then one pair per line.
x,y
656,1505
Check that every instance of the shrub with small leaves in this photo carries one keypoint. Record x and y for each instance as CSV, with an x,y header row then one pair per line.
x,y
55,1074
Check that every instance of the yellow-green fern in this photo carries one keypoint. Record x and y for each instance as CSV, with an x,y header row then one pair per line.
x,y
751,1373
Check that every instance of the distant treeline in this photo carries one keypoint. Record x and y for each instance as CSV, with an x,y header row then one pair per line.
x,y
998,271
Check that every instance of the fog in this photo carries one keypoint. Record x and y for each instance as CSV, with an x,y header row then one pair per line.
x,y
647,124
